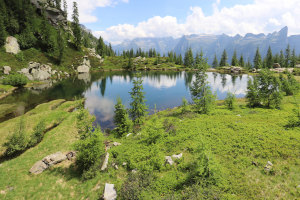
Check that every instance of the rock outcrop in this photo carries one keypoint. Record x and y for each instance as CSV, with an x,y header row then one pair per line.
x,y
6,70
12,45
50,160
109,192
92,52
85,66
37,71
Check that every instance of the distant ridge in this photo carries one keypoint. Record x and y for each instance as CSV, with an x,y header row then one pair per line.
x,y
211,44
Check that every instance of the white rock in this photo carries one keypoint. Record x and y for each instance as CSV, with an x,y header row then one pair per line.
x,y
12,45
24,71
83,69
109,192
177,156
6,70
128,134
41,75
105,163
169,160
124,164
116,144
134,171
269,163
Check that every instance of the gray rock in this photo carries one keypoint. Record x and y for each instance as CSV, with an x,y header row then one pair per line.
x,y
269,163
83,69
116,144
41,75
54,158
109,192
128,134
34,65
169,160
177,156
38,167
134,171
6,70
86,61
105,163
24,71
12,45
124,163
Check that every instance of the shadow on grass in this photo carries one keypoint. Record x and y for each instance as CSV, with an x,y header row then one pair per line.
x,y
68,173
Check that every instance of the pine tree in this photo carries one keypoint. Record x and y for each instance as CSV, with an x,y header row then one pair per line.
x,y
234,60
76,27
179,60
2,31
121,119
293,59
281,59
215,63
223,61
202,94
61,46
137,106
100,48
58,4
65,9
241,61
269,58
287,56
189,58
257,60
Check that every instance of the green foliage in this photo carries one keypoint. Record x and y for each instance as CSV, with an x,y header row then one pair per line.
x,y
17,142
269,58
184,106
90,150
201,93
2,31
76,27
84,123
15,80
27,39
20,56
137,106
264,90
289,85
230,101
189,58
215,63
223,61
38,134
287,56
234,60
242,62
121,119
257,60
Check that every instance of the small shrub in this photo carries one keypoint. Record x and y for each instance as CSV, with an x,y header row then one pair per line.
x,y
38,134
121,119
17,143
20,56
15,80
184,105
230,101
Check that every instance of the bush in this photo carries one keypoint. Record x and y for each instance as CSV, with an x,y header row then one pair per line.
x,y
230,101
289,85
17,143
15,80
121,119
38,134
90,150
184,106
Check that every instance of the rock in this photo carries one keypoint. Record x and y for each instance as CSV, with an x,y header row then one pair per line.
x,y
169,160
34,65
276,65
83,69
104,165
134,171
177,156
54,158
116,144
53,72
297,66
124,163
235,69
109,192
38,167
41,75
86,61
24,71
12,45
238,115
269,163
71,155
6,70
66,74
128,134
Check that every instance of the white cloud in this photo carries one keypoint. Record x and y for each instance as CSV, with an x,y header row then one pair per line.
x,y
86,8
262,16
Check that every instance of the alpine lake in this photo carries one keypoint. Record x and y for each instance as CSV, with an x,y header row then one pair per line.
x,y
101,89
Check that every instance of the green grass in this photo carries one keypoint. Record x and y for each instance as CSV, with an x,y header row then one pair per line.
x,y
230,140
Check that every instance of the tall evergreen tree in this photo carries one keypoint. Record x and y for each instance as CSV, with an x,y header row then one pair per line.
x,y
281,59
234,60
257,59
65,9
241,61
121,119
269,59
215,63
287,56
100,48
58,4
61,45
138,107
76,27
2,31
189,58
223,61
293,59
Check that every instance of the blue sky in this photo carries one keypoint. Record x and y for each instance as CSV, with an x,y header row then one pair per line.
x,y
119,20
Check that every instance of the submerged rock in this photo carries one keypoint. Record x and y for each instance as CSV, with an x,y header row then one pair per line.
x,y
109,192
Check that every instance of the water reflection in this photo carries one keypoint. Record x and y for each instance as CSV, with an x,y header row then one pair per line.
x,y
165,89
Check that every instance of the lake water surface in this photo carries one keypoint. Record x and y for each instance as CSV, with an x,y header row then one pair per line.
x,y
163,89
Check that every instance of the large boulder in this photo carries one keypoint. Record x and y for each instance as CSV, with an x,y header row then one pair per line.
x,y
109,192
41,75
12,45
38,167
6,70
83,69
54,158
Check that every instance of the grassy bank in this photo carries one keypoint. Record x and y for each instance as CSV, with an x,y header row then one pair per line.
x,y
224,155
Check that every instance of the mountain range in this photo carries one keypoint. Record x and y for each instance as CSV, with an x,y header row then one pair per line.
x,y
215,44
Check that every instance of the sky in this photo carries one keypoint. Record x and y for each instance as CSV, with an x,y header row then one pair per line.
x,y
119,20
